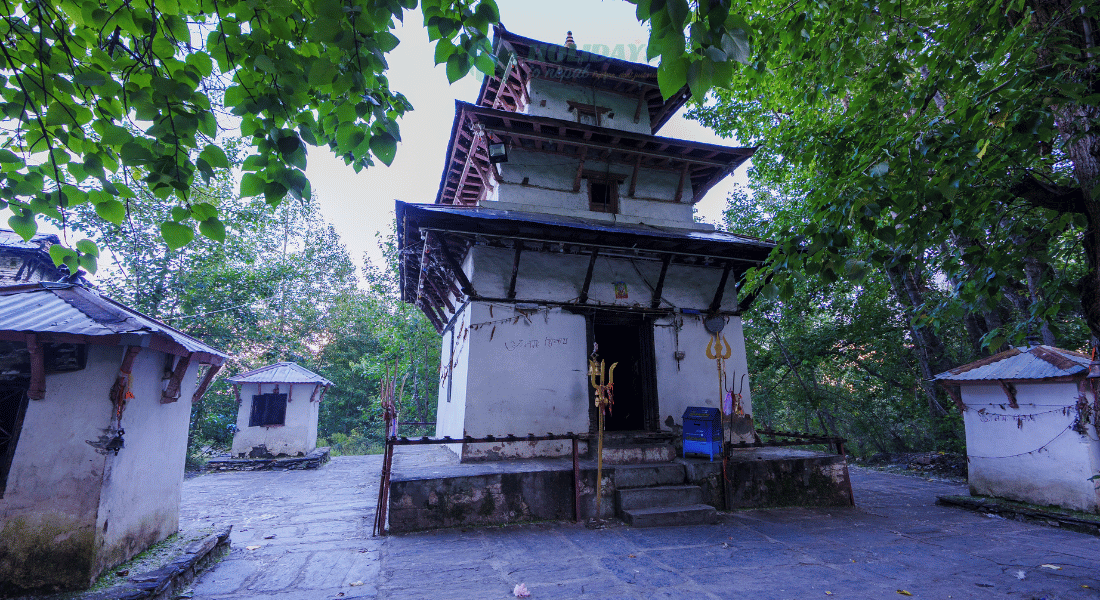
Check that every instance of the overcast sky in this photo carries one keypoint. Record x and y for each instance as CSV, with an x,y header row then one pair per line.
x,y
361,205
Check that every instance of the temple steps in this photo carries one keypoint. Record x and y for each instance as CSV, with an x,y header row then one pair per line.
x,y
657,495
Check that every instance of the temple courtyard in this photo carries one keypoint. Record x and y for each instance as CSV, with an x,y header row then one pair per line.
x,y
306,535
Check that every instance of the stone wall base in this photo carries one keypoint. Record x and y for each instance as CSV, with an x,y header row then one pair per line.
x,y
313,460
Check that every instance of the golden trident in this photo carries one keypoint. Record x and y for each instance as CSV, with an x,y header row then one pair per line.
x,y
715,352
603,382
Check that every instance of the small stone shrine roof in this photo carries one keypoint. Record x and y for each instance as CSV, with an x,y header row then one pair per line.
x,y
1023,363
284,372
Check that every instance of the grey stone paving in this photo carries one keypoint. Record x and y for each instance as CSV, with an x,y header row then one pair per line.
x,y
896,538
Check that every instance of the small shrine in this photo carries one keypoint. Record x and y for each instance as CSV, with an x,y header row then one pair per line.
x,y
278,409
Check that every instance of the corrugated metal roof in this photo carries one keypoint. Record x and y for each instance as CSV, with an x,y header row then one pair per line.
x,y
73,309
284,372
1035,362
10,239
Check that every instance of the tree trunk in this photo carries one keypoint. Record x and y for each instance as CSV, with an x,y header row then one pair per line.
x,y
1079,127
929,347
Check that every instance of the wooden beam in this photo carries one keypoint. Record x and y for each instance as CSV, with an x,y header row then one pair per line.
x,y
440,294
680,186
641,101
580,170
717,302
634,175
504,80
1010,392
588,275
660,282
467,287
37,350
515,271
172,392
423,266
206,380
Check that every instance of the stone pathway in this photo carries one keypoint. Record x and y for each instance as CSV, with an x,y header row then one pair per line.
x,y
895,539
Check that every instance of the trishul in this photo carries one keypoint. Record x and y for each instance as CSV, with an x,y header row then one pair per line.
x,y
604,385
715,352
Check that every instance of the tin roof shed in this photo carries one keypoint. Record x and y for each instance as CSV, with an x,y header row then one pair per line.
x,y
1023,363
284,372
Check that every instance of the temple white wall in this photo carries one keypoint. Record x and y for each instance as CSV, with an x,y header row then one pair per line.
x,y
1040,459
559,277
537,182
550,99
694,382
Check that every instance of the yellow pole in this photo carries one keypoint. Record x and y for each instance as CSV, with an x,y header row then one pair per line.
x,y
599,468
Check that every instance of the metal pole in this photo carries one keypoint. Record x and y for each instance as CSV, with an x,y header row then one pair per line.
x,y
599,469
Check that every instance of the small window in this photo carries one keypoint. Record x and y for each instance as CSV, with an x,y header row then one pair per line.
x,y
603,196
588,114
268,409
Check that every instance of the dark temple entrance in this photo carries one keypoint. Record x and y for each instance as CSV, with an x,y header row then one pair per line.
x,y
629,342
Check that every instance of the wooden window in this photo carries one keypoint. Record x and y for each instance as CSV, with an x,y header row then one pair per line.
x,y
603,195
268,409
13,405
588,114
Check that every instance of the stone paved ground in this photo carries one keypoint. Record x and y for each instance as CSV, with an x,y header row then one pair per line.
x,y
895,539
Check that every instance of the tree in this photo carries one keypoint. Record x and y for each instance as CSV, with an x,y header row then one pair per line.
x,y
961,138
95,88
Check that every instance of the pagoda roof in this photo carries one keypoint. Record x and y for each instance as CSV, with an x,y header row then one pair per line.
x,y
467,169
521,59
433,240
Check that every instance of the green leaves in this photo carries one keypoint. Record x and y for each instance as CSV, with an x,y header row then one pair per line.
x,y
384,146
122,93
176,235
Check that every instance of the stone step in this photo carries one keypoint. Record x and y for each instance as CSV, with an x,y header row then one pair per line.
x,y
649,475
665,516
658,497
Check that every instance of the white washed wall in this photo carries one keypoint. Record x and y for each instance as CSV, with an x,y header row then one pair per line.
x,y
549,189
559,277
696,382
451,407
297,435
1000,453
525,376
64,495
555,96
141,487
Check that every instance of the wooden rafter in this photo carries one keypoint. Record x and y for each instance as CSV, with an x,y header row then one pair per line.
x,y
172,392
680,185
515,271
580,171
717,302
588,275
634,175
206,380
657,291
37,389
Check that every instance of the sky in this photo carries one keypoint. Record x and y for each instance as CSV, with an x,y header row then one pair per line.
x,y
361,205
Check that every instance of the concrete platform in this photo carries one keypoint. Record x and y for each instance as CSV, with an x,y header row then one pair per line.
x,y
305,535
446,493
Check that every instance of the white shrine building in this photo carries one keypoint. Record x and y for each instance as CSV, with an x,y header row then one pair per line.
x,y
564,223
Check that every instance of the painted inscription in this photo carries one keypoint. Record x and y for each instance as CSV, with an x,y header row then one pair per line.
x,y
513,345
